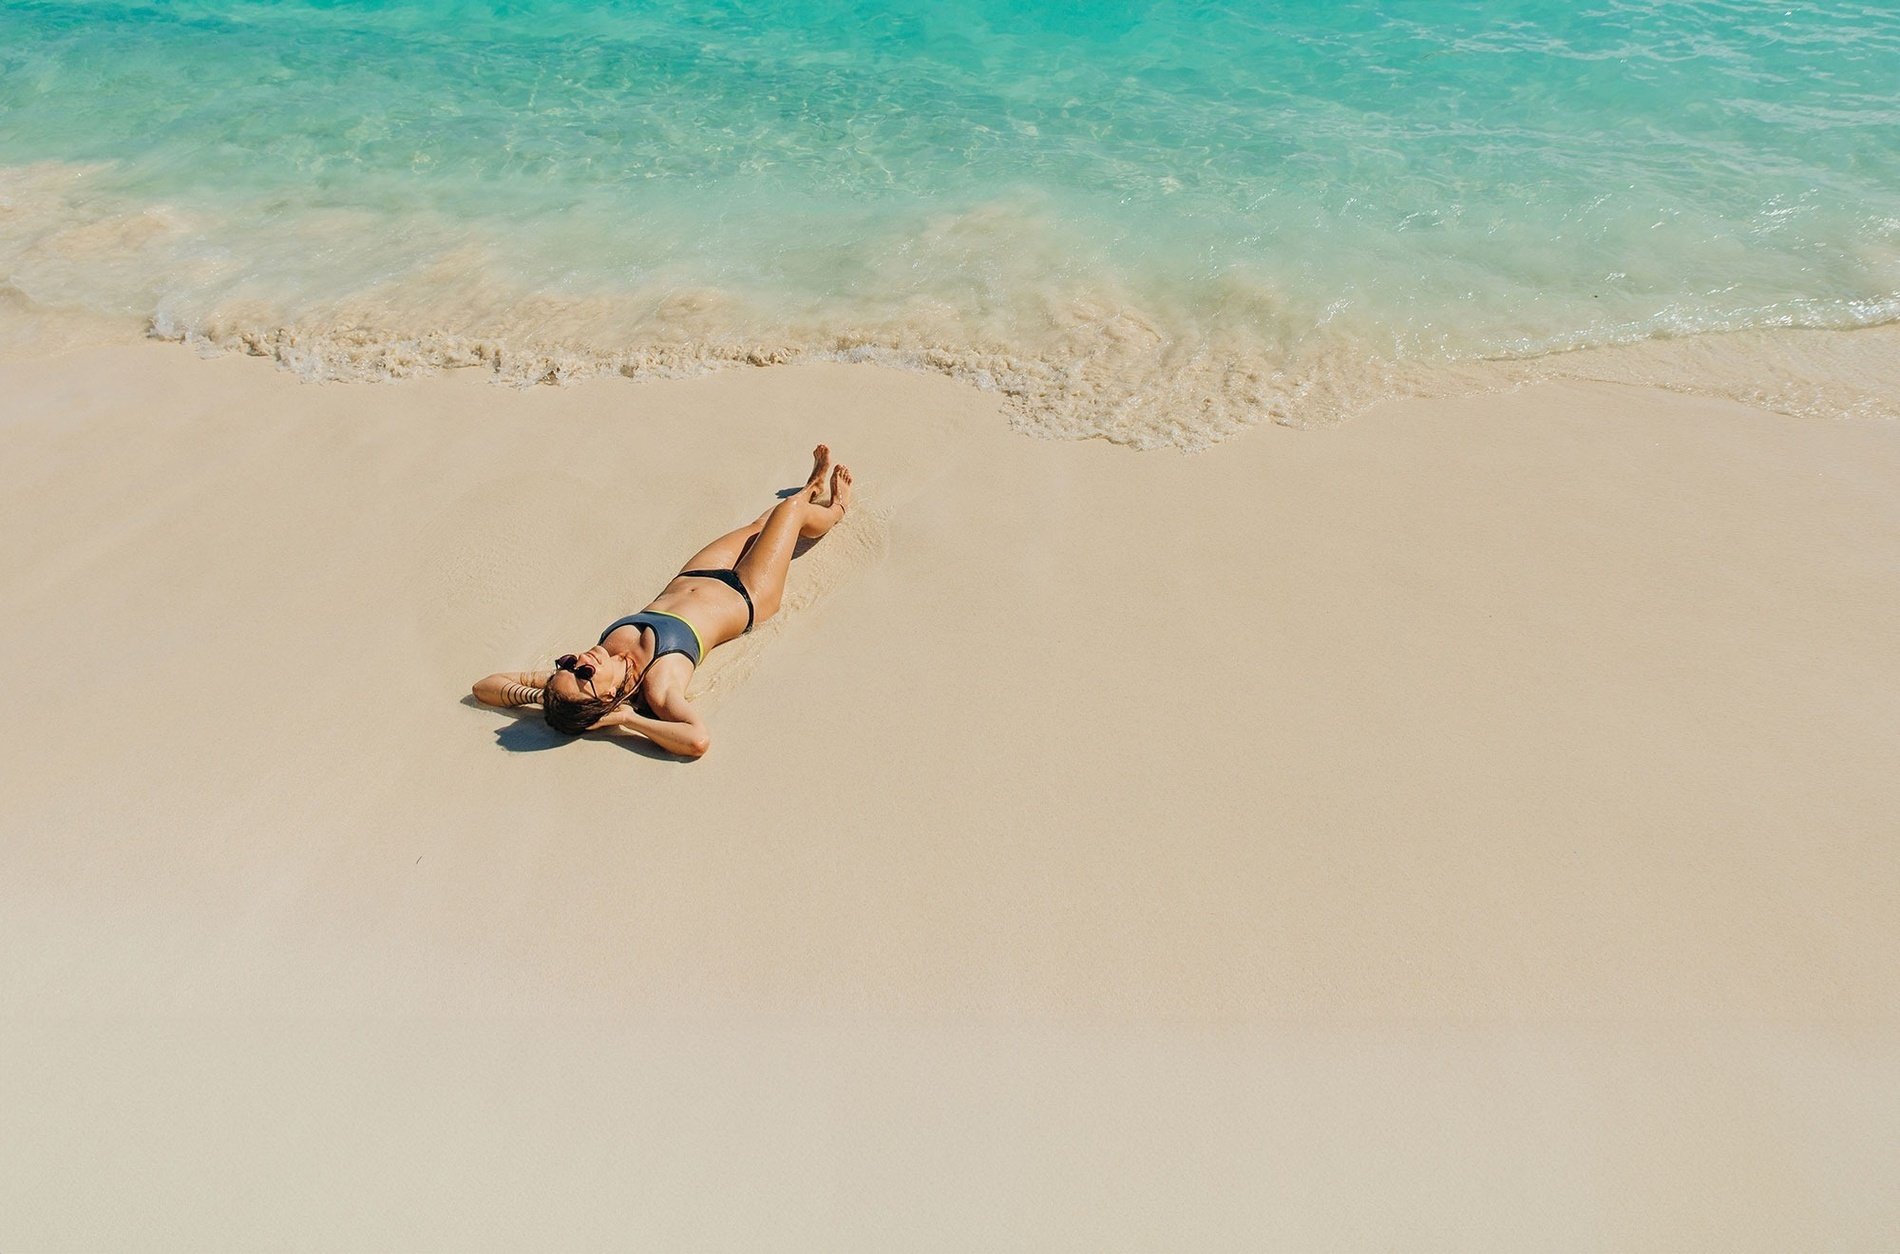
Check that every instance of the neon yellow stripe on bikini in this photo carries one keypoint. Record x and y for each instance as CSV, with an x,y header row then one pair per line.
x,y
676,618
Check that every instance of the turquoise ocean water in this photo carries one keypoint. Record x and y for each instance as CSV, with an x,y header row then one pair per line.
x,y
1157,221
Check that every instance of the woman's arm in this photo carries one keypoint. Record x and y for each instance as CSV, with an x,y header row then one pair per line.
x,y
508,689
681,732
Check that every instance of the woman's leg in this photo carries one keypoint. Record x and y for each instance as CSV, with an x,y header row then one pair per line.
x,y
725,552
763,567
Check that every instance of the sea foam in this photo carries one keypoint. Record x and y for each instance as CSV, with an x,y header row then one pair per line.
x,y
1153,225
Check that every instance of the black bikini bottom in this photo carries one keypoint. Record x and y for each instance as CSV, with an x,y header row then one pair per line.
x,y
731,579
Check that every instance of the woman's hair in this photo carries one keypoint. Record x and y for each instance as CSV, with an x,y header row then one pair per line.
x,y
573,715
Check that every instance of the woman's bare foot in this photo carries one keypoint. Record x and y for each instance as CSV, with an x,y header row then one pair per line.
x,y
820,463
841,488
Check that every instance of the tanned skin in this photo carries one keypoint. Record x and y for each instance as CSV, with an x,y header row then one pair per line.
x,y
760,553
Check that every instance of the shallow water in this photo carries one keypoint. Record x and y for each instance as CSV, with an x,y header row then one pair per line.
x,y
1157,223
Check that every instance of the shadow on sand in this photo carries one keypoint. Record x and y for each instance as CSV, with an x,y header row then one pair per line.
x,y
524,732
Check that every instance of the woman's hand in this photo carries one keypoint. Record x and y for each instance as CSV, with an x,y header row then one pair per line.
x,y
508,689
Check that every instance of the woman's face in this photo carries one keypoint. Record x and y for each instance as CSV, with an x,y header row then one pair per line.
x,y
610,676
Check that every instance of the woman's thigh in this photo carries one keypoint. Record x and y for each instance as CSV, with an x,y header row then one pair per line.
x,y
725,552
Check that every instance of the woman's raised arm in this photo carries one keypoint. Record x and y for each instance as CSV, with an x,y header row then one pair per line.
x,y
507,689
681,731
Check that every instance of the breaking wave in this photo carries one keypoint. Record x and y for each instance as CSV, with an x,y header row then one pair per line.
x,y
993,295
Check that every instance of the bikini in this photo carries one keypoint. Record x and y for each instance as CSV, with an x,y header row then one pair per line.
x,y
673,634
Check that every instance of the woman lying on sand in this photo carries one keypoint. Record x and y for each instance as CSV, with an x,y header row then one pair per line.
x,y
644,660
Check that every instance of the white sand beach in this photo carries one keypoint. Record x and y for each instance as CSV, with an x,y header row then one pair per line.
x,y
1471,826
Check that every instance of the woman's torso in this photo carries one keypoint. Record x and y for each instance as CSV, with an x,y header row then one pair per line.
x,y
715,614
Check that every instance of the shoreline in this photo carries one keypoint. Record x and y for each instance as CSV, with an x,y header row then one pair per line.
x,y
1798,372
1072,355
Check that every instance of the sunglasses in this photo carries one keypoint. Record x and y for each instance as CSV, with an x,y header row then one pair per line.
x,y
584,672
